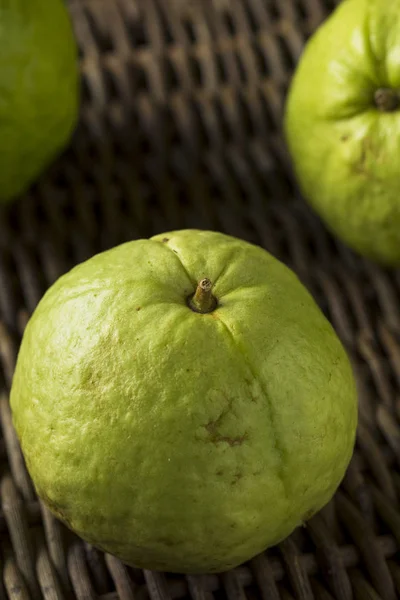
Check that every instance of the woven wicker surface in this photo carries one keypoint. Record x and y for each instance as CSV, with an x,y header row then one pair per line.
x,y
180,127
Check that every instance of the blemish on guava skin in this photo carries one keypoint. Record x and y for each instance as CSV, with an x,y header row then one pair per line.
x,y
212,427
165,240
139,308
369,154
237,477
168,542
216,438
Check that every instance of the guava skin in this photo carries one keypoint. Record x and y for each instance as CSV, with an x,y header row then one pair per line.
x,y
176,440
344,142
39,90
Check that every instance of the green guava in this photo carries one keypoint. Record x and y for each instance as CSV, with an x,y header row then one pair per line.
x,y
182,403
38,89
342,125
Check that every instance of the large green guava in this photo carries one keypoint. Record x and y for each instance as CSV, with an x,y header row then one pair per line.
x,y
182,402
38,89
342,125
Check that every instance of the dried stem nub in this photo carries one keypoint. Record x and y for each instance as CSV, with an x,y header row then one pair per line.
x,y
202,300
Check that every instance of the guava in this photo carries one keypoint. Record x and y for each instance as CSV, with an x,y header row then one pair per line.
x,y
39,90
182,402
342,126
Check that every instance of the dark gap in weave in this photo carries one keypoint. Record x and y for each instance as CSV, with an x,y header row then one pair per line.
x,y
40,210
241,188
241,68
267,113
247,122
100,575
195,70
190,30
288,60
86,161
222,121
137,33
120,199
252,592
221,69
220,593
11,298
68,208
301,11
273,11
263,69
202,134
387,365
251,18
104,41
229,23
86,95
110,85
183,199
174,583
303,540
380,527
139,77
80,48
214,186
11,216
136,575
172,133
182,164
170,75
124,145
31,276
3,387
317,239
165,26
330,5
152,200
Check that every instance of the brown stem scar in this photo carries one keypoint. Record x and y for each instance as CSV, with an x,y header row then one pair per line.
x,y
387,99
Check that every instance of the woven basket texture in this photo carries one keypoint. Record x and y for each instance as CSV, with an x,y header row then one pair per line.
x,y
181,127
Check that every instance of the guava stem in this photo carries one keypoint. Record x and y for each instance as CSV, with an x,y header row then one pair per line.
x,y
203,301
387,100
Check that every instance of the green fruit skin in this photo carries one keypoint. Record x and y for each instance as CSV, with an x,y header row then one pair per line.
x,y
345,151
176,440
39,89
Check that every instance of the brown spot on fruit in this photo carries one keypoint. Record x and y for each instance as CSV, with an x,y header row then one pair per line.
x,y
213,426
237,477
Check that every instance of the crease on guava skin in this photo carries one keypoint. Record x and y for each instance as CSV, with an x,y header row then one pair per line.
x,y
225,268
279,449
164,242
366,27
191,279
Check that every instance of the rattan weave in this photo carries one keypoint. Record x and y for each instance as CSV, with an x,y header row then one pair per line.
x,y
181,127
